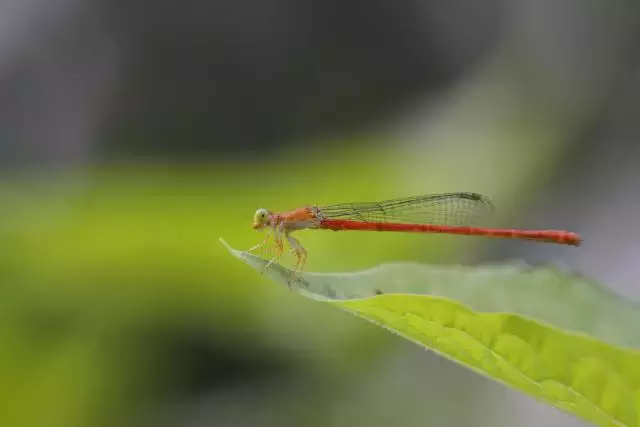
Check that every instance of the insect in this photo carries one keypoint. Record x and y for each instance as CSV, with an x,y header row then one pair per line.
x,y
448,213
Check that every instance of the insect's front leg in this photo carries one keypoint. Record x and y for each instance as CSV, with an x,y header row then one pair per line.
x,y
279,245
261,244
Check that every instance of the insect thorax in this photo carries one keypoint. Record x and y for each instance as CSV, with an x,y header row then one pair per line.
x,y
316,212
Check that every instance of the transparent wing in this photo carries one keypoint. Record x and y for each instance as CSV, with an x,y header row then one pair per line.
x,y
444,209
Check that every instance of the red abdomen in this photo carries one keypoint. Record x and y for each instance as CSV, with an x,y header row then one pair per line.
x,y
550,236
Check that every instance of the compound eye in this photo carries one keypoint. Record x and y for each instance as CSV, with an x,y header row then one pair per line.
x,y
261,216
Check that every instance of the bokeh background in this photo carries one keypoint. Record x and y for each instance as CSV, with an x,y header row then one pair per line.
x,y
134,133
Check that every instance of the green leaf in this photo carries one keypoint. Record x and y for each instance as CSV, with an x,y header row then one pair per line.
x,y
558,337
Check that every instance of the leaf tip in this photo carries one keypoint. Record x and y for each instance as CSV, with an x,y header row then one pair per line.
x,y
226,245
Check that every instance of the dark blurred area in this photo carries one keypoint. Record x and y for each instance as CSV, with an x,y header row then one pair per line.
x,y
248,76
169,80
133,134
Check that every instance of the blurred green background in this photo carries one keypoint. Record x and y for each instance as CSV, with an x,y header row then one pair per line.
x,y
134,135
